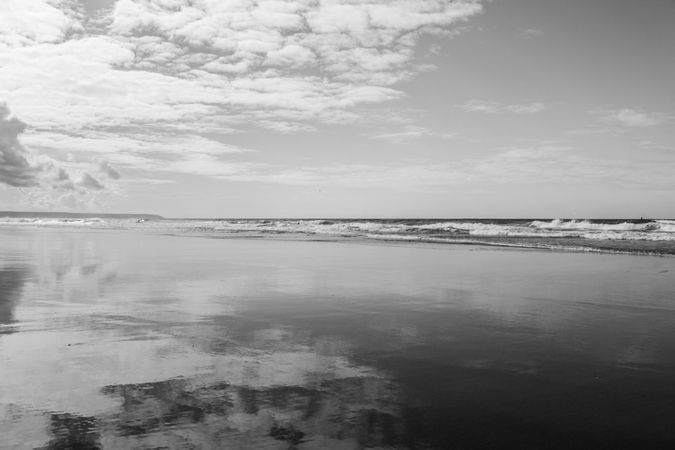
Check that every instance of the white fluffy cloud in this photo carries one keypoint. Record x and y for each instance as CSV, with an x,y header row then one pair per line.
x,y
143,84
29,22
213,61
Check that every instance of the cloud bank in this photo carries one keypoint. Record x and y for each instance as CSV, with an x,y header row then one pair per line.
x,y
147,74
217,63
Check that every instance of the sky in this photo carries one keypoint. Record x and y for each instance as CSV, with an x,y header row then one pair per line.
x,y
339,108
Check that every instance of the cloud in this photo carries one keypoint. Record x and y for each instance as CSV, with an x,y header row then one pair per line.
x,y
159,85
15,168
530,33
132,142
633,117
38,21
291,55
412,132
90,182
527,108
656,146
106,169
210,61
491,107
186,153
44,180
544,164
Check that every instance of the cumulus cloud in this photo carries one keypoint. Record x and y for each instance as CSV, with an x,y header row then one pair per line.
x,y
43,179
491,107
37,21
15,168
633,117
208,61
159,84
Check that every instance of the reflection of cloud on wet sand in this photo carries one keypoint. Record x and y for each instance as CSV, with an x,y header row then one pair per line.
x,y
12,281
265,390
339,413
269,388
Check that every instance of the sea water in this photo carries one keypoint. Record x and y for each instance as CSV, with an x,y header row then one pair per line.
x,y
617,235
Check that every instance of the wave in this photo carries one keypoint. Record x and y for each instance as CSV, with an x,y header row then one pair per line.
x,y
666,225
558,224
530,233
52,222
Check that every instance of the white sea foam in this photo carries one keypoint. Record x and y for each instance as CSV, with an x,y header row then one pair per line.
x,y
558,224
658,230
625,236
52,222
667,226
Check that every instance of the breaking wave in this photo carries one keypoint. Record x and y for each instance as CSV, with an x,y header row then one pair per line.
x,y
652,236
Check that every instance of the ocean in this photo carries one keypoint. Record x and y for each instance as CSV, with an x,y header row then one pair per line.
x,y
596,235
121,333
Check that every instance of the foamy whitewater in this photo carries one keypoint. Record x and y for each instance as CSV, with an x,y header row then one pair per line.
x,y
622,236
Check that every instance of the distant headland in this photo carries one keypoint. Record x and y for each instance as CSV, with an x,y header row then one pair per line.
x,y
72,215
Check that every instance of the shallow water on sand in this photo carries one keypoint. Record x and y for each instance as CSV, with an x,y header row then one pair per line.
x,y
116,339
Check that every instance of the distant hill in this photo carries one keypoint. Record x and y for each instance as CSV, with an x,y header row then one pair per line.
x,y
69,215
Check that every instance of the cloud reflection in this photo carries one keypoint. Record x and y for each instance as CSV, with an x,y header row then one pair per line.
x,y
348,413
12,280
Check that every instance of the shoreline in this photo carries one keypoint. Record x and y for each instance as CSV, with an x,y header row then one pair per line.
x,y
438,243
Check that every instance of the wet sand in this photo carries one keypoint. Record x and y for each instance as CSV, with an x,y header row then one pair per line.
x,y
126,340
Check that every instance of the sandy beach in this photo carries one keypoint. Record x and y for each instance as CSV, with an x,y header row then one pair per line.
x,y
115,339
